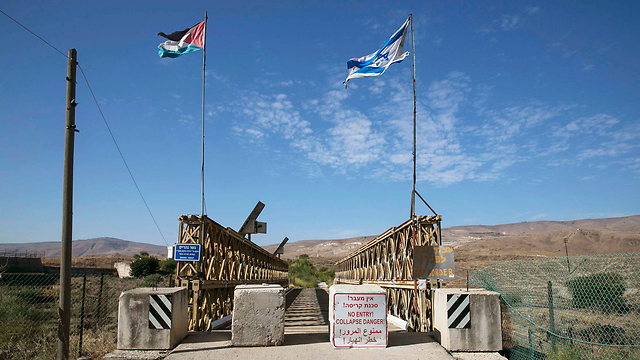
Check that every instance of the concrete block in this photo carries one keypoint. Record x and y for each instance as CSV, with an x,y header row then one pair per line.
x,y
258,315
467,320
152,319
358,316
123,269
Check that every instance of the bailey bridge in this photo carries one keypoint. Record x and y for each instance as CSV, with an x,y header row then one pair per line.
x,y
229,259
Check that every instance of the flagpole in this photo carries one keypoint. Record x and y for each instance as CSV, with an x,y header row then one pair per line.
x,y
204,62
413,192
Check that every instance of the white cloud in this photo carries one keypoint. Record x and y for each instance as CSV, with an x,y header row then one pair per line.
x,y
485,29
509,22
275,113
532,10
461,133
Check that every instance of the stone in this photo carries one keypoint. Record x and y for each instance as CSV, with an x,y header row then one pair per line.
x,y
258,315
144,324
483,331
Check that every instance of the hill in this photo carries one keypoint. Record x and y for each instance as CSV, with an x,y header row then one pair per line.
x,y
506,241
588,236
103,246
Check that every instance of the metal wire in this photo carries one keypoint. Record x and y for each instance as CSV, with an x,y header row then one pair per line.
x,y
590,312
28,313
103,119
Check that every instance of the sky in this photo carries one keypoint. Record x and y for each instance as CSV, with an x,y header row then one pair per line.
x,y
526,111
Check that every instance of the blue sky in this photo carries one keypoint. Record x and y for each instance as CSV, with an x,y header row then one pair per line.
x,y
526,111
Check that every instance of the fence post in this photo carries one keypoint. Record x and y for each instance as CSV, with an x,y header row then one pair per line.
x,y
552,320
99,299
531,357
84,285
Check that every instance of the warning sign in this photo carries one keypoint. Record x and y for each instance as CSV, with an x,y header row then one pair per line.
x,y
433,262
359,320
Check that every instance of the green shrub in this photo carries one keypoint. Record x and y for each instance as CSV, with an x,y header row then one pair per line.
x,y
153,280
144,266
168,266
306,275
326,275
602,291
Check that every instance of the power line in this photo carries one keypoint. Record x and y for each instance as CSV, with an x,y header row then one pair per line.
x,y
121,155
105,122
34,34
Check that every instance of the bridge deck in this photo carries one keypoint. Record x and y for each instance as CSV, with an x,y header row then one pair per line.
x,y
307,337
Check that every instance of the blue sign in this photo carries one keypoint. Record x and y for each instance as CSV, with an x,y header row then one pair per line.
x,y
187,252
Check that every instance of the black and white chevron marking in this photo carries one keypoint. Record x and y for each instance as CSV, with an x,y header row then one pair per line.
x,y
160,311
458,316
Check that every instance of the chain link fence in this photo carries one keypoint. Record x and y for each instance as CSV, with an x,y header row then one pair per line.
x,y
581,307
29,320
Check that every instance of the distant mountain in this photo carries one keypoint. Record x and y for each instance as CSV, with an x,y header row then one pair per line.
x,y
321,248
589,236
627,224
103,246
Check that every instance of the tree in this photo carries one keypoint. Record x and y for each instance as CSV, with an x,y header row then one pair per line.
x,y
168,266
144,265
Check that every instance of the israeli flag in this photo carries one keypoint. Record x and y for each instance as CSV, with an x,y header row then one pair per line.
x,y
377,63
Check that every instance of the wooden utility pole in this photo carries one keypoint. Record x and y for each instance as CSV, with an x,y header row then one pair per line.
x,y
64,309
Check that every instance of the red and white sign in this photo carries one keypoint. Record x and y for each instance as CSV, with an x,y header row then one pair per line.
x,y
359,320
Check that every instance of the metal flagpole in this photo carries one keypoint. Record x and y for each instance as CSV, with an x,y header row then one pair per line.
x,y
204,62
413,192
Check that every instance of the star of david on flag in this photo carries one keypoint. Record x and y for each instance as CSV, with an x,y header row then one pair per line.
x,y
377,63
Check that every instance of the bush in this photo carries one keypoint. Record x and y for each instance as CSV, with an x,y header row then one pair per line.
x,y
154,280
302,268
144,266
326,275
602,291
306,275
168,266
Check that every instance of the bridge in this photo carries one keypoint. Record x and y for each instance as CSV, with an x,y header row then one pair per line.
x,y
229,259
387,261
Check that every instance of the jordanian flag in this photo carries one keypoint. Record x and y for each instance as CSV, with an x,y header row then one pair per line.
x,y
182,42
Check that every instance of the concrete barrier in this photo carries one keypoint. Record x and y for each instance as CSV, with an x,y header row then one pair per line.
x,y
152,319
123,269
467,320
358,316
258,315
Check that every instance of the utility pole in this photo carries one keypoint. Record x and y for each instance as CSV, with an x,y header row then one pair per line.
x,y
64,309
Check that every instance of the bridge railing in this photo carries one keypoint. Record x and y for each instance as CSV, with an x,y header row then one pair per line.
x,y
387,261
227,260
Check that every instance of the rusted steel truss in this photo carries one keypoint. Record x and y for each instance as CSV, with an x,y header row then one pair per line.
x,y
227,260
387,261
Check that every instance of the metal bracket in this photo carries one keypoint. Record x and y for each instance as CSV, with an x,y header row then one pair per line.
x,y
73,127
422,284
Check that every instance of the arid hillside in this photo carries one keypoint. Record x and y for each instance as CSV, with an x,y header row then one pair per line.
x,y
104,246
476,246
591,236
